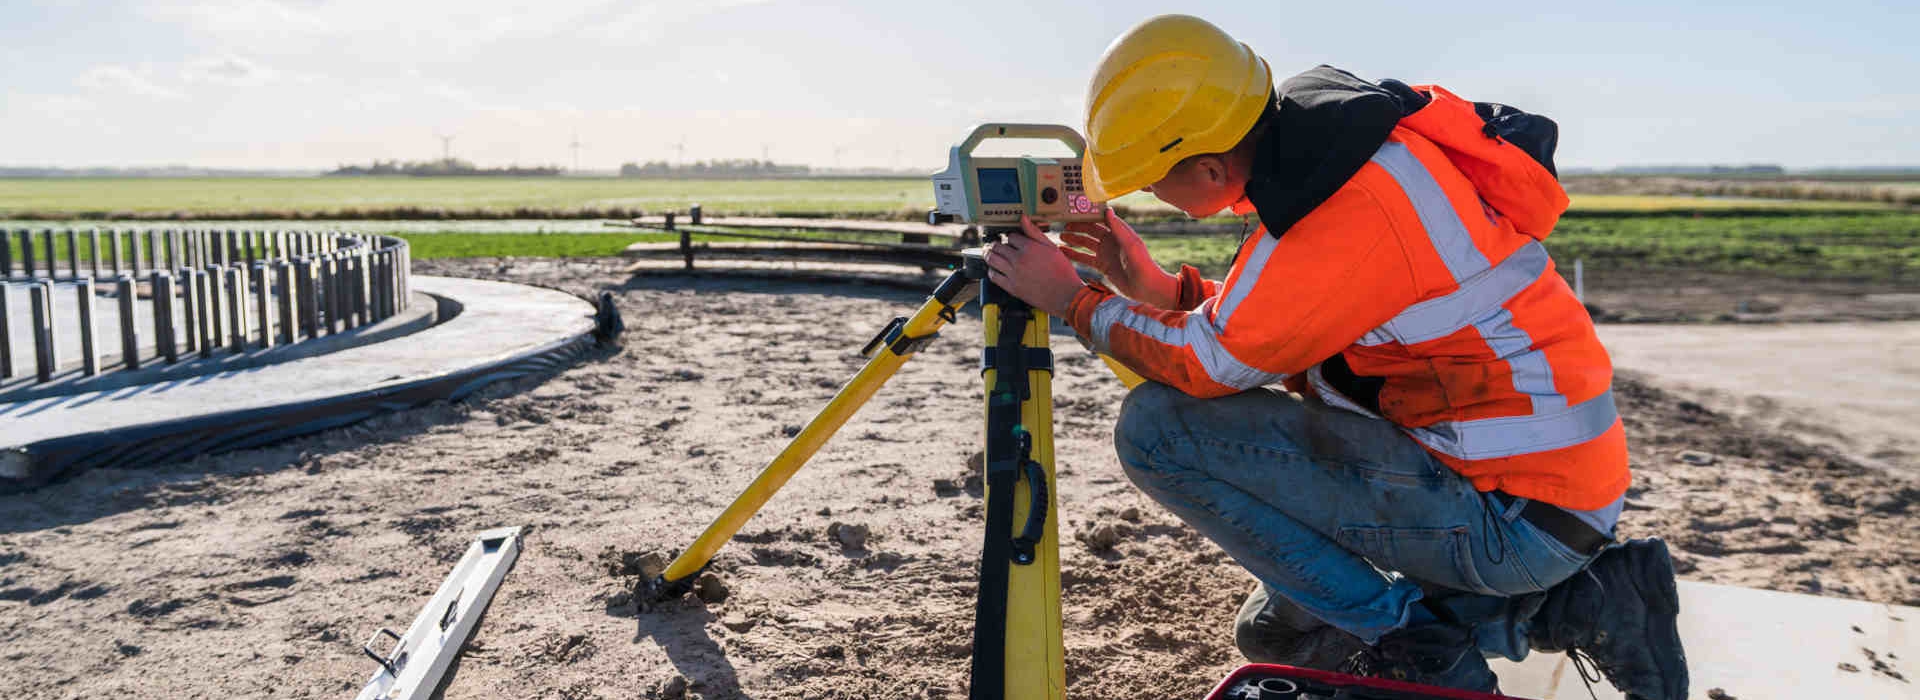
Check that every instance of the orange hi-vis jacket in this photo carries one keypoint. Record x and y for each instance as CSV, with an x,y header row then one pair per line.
x,y
1424,270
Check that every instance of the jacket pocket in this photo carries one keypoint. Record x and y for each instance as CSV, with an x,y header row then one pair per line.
x,y
1436,555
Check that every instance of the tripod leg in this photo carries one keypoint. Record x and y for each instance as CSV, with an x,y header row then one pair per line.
x,y
1018,649
888,352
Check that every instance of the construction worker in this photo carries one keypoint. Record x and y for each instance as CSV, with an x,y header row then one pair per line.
x,y
1392,411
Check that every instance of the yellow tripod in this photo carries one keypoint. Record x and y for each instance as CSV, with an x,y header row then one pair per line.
x,y
1017,650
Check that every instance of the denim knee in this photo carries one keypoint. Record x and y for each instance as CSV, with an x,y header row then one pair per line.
x,y
1144,417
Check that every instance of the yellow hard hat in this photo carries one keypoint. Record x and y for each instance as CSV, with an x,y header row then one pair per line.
x,y
1171,87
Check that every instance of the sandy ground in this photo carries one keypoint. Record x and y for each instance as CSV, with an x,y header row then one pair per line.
x,y
1852,386
257,573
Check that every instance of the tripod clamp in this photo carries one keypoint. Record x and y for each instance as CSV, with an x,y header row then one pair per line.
x,y
894,337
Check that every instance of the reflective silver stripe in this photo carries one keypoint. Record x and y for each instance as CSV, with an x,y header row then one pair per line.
x,y
1490,438
1377,336
1249,276
1532,375
1444,315
1103,319
1199,335
1450,237
1332,396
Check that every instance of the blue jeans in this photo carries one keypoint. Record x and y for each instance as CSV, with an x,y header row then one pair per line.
x,y
1340,513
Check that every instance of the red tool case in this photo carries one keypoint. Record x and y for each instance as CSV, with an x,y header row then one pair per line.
x,y
1272,682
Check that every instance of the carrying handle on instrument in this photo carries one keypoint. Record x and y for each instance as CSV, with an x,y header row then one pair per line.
x,y
1057,132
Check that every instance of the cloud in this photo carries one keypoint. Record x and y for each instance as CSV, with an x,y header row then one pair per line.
x,y
229,70
137,81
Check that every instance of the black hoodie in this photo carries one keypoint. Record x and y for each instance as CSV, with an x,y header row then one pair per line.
x,y
1324,125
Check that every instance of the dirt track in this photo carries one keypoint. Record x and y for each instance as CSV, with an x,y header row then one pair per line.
x,y
258,573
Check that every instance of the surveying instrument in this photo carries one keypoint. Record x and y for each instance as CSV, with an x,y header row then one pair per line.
x,y
1017,648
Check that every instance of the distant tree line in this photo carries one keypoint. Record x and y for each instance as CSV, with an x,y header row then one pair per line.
x,y
442,168
717,169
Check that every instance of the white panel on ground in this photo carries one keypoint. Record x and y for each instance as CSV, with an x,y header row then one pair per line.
x,y
1764,645
413,667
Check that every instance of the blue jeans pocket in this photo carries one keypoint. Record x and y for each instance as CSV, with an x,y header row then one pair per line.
x,y
1546,558
1437,555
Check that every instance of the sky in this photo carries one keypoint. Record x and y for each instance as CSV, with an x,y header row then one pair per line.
x,y
302,84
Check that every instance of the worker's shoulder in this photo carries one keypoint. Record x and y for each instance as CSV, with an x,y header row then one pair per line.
x,y
1364,204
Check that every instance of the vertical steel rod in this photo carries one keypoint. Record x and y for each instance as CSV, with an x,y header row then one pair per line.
x,y
133,252
263,304
89,350
154,250
330,284
360,282
41,295
162,316
6,255
73,254
303,297
207,311
285,287
129,322
6,323
113,249
216,305
236,308
189,311
53,262
93,251
166,332
26,254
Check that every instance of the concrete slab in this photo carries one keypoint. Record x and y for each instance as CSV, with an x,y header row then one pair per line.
x,y
1764,645
421,312
501,330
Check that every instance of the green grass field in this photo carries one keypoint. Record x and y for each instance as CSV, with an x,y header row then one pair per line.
x,y
480,197
1865,247
1879,247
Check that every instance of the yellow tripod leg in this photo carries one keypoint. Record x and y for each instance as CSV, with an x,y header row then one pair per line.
x,y
1127,376
1036,651
895,345
1026,630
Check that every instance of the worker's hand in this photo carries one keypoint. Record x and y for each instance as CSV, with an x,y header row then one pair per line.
x,y
1029,266
1120,256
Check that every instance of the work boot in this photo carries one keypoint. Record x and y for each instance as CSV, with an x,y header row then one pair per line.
x,y
1621,613
1429,653
1272,630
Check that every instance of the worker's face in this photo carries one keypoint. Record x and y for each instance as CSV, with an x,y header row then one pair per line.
x,y
1201,186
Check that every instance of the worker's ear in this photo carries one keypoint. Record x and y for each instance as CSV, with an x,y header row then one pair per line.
x,y
1212,169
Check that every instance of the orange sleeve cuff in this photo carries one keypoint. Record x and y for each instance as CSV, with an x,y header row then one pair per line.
x,y
1193,288
1080,311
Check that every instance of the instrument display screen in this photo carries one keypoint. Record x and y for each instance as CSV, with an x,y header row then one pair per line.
x,y
999,186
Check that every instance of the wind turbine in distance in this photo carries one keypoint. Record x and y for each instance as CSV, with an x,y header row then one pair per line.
x,y
446,147
680,151
575,145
